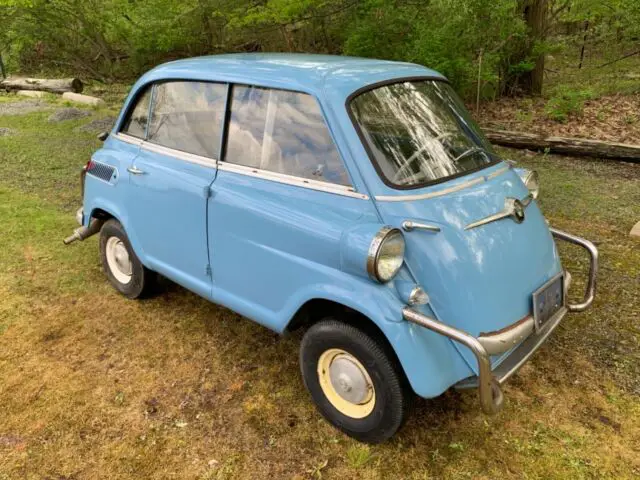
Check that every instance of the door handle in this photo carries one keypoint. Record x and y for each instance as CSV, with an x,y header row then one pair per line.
x,y
135,171
408,225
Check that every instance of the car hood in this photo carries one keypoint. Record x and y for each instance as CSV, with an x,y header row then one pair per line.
x,y
479,279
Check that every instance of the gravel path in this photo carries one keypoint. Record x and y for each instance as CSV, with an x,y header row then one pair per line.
x,y
23,107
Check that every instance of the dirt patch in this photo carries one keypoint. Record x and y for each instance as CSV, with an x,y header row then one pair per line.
x,y
65,114
613,118
99,125
22,107
6,132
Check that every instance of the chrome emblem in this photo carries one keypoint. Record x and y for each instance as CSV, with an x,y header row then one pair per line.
x,y
513,208
518,210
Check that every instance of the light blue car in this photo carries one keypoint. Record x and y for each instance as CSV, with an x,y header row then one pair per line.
x,y
355,198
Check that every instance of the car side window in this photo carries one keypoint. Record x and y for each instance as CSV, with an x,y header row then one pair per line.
x,y
284,132
188,116
136,122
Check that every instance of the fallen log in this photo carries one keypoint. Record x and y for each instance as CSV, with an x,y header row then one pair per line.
x,y
53,85
565,145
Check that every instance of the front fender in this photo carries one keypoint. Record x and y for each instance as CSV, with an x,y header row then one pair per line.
x,y
430,361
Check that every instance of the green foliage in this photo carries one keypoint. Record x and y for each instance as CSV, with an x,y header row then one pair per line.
x,y
567,102
483,43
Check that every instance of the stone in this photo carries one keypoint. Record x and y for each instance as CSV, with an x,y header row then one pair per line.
x,y
86,99
635,231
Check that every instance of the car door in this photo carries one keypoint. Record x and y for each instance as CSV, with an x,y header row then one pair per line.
x,y
280,203
170,180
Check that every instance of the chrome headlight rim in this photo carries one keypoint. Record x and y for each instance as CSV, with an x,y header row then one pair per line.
x,y
375,249
531,180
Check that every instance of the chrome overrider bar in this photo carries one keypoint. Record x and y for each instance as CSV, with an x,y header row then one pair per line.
x,y
489,382
590,292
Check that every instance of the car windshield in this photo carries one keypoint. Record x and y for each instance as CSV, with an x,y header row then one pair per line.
x,y
419,132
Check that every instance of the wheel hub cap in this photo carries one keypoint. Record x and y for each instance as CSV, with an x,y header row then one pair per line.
x,y
348,379
119,260
122,259
346,383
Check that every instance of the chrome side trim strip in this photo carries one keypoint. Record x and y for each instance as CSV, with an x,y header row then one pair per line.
x,y
128,139
187,157
499,172
291,180
445,191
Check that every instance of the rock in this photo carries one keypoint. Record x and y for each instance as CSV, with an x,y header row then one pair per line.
x,y
5,132
68,114
635,231
99,125
31,93
79,98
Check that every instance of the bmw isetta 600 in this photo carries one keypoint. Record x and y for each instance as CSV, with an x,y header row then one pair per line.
x,y
353,197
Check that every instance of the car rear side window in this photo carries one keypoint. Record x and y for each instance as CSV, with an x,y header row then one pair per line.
x,y
188,116
284,132
136,122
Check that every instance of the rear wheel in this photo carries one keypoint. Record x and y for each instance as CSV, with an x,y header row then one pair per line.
x,y
355,380
120,263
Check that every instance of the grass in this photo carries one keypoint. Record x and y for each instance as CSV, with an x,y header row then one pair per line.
x,y
95,386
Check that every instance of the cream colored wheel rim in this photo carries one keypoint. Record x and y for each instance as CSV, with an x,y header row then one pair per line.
x,y
118,260
346,383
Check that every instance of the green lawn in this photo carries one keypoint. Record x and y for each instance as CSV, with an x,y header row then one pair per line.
x,y
95,386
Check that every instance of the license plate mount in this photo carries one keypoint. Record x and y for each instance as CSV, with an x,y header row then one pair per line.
x,y
547,300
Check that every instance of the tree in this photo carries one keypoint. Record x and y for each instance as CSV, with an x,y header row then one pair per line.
x,y
526,68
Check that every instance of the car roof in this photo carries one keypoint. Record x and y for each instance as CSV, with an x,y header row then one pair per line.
x,y
306,72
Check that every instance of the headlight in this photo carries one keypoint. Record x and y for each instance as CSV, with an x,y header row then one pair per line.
x,y
531,181
386,254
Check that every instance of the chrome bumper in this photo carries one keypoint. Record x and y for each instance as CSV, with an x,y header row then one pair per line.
x,y
488,382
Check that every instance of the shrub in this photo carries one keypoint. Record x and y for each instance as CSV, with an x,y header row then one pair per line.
x,y
567,102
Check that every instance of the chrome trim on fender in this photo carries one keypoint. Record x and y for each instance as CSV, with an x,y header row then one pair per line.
x,y
408,225
291,180
590,291
512,208
444,191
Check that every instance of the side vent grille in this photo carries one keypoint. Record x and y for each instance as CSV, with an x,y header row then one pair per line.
x,y
101,171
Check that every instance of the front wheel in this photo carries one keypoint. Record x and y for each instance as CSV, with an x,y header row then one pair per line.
x,y
355,380
120,263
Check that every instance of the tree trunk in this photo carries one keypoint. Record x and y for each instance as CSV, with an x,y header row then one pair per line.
x,y
565,145
59,85
534,13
